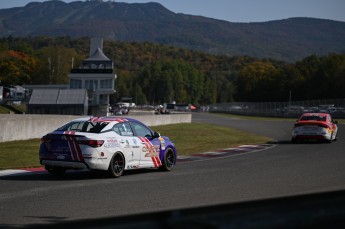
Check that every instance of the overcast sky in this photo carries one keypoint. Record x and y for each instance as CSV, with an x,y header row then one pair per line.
x,y
239,10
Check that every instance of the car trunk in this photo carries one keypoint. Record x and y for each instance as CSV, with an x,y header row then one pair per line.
x,y
311,124
63,147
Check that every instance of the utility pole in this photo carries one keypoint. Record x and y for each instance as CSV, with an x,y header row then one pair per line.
x,y
289,100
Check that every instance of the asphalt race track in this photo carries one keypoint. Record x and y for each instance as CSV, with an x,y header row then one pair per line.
x,y
283,170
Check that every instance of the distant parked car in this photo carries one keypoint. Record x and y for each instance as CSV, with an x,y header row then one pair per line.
x,y
108,143
327,108
317,126
311,109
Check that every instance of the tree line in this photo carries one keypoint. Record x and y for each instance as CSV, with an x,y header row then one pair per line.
x,y
154,74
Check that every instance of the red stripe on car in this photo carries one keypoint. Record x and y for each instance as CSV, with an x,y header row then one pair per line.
x,y
72,148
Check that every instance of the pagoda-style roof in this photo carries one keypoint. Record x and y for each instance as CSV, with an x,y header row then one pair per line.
x,y
97,63
98,55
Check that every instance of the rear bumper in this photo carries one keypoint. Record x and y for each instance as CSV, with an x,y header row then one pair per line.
x,y
311,137
64,164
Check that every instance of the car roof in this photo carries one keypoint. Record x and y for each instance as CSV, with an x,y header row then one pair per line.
x,y
109,119
322,117
105,119
315,114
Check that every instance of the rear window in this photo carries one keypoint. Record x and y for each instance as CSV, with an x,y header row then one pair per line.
x,y
313,118
84,126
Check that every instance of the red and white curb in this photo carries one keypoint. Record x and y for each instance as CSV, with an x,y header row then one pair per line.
x,y
180,159
9,172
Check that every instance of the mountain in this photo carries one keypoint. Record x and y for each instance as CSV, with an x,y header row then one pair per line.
x,y
289,39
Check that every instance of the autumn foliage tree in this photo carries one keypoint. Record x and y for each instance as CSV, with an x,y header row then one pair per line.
x,y
55,63
16,67
155,73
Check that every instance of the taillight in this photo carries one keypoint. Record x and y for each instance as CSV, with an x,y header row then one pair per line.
x,y
92,143
298,124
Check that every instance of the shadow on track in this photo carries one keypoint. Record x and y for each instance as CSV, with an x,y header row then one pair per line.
x,y
306,142
72,175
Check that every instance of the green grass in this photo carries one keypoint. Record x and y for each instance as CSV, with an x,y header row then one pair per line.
x,y
19,154
4,110
13,108
189,139
20,108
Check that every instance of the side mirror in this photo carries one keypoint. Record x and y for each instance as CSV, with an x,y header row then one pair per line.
x,y
156,135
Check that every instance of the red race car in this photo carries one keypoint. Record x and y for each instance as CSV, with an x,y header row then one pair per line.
x,y
315,126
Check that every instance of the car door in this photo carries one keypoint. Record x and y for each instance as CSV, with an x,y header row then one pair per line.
x,y
149,147
129,143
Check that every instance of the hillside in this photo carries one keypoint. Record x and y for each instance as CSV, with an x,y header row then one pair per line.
x,y
289,40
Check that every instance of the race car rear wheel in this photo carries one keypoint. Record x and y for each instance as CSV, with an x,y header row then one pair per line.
x,y
55,171
169,160
334,136
330,139
117,165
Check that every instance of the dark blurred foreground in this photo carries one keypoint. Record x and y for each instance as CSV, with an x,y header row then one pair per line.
x,y
324,210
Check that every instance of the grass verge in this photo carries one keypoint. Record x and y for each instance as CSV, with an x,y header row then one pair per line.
x,y
19,154
189,139
4,110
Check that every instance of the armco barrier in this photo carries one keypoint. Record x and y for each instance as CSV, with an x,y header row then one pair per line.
x,y
293,109
23,127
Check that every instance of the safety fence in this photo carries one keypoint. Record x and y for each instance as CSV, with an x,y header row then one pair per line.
x,y
292,109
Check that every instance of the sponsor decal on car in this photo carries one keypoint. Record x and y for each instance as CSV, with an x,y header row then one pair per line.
x,y
157,148
111,142
151,154
151,151
133,166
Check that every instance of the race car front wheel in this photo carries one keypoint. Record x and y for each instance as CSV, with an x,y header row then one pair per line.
x,y
117,165
169,160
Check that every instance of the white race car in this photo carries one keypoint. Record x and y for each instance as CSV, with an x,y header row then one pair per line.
x,y
106,143
316,126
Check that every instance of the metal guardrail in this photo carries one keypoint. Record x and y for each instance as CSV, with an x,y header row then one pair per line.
x,y
99,71
335,107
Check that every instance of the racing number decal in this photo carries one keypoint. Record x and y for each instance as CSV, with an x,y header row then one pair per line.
x,y
151,152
